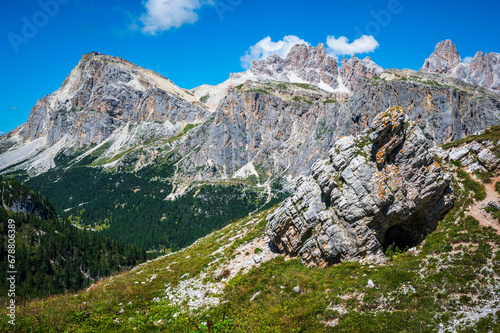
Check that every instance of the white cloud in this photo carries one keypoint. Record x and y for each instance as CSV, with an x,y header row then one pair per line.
x,y
162,15
267,47
341,46
467,60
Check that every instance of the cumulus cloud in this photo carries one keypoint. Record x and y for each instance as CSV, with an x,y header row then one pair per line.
x,y
341,46
163,15
267,47
467,60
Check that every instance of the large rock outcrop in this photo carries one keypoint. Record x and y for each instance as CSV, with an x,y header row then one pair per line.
x,y
373,190
443,60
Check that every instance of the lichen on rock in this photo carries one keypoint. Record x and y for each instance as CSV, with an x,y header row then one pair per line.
x,y
372,191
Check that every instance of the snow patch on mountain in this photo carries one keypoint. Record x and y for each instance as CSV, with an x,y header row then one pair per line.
x,y
246,171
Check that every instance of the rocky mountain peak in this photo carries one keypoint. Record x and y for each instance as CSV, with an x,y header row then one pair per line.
x,y
443,60
302,64
376,189
483,70
354,68
101,95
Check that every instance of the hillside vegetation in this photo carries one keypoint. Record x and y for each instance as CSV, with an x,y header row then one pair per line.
x,y
132,207
52,256
450,282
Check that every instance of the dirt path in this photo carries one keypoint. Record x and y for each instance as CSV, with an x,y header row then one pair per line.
x,y
486,219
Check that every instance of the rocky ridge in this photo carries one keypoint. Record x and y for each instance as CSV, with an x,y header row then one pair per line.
x,y
303,64
483,70
475,156
276,128
112,108
373,190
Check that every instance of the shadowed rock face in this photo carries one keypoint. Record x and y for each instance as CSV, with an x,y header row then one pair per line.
x,y
375,189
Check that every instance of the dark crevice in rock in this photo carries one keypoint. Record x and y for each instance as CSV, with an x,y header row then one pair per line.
x,y
400,237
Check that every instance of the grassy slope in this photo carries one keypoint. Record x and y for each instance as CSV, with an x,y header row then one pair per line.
x,y
453,273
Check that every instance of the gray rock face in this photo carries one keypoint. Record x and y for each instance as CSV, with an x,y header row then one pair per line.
x,y
447,110
276,130
443,60
101,96
354,68
372,191
488,159
484,69
103,93
279,134
273,133
458,153
474,156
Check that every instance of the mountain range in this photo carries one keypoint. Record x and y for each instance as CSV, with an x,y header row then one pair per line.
x,y
281,113
263,127
303,194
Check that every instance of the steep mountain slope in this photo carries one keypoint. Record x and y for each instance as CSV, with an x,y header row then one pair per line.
x,y
101,97
51,255
232,280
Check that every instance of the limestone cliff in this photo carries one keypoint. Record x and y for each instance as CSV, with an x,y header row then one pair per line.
x,y
277,129
373,190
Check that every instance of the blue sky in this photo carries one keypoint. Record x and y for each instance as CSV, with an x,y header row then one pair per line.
x,y
193,42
